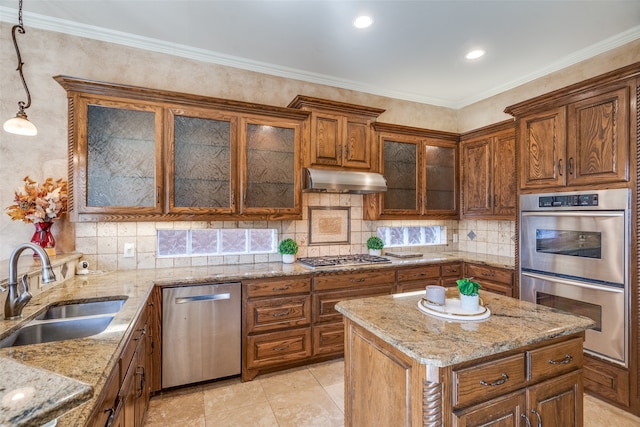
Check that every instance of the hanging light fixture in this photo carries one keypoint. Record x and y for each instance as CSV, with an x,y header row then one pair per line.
x,y
20,124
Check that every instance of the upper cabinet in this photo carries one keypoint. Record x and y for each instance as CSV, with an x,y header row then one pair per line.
x,y
143,154
420,167
578,136
340,134
488,168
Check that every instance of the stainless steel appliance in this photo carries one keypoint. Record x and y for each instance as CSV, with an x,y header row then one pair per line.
x,y
342,260
200,333
574,256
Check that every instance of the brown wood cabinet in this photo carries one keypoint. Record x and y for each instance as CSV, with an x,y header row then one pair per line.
x,y
418,277
488,170
125,396
340,134
492,279
147,155
575,137
421,169
498,390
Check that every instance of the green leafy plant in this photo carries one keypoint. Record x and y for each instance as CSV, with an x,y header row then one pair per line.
x,y
374,242
468,287
288,247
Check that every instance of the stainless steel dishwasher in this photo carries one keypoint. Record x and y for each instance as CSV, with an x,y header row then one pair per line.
x,y
200,333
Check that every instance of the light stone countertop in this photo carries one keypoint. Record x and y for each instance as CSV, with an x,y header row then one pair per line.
x,y
434,341
90,360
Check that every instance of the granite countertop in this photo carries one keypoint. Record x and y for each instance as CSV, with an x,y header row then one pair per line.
x,y
434,341
90,360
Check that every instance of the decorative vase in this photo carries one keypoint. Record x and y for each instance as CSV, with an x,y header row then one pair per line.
x,y
469,302
288,258
44,238
375,252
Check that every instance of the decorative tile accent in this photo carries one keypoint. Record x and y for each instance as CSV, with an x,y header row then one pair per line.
x,y
413,235
211,241
172,242
204,242
471,235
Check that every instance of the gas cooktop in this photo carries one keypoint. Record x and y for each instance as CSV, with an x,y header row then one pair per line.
x,y
342,260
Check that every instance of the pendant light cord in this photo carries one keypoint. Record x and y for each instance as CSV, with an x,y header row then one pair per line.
x,y
20,28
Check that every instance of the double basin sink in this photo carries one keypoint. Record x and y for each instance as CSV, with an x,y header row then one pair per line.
x,y
66,321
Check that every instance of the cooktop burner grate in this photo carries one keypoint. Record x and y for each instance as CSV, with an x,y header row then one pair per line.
x,y
342,260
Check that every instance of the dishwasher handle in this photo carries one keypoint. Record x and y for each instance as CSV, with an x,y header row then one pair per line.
x,y
210,297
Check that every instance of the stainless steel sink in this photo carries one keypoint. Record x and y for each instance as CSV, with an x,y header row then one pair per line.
x,y
66,321
37,332
81,309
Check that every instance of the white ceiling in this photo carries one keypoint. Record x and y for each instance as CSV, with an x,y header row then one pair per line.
x,y
414,51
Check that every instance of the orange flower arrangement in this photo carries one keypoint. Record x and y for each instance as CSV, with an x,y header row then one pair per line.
x,y
39,203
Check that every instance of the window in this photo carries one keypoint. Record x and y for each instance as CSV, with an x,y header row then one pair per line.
x,y
207,242
413,235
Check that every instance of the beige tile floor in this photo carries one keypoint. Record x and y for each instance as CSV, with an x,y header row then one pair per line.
x,y
311,396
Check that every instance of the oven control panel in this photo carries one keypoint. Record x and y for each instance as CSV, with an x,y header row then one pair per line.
x,y
568,200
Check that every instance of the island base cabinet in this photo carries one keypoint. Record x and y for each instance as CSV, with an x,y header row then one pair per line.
x,y
505,411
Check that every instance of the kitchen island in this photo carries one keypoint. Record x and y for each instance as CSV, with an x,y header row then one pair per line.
x,y
407,368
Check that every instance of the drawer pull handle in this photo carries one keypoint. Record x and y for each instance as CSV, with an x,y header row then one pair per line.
x,y
501,381
284,313
533,411
284,288
526,419
284,347
567,359
357,280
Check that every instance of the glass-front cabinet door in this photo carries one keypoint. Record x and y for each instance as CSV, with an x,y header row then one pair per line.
x,y
400,160
440,160
118,168
202,151
270,182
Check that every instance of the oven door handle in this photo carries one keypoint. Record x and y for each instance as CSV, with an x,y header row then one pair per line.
x,y
573,282
607,214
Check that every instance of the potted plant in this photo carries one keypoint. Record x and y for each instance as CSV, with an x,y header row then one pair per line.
x,y
288,248
469,298
375,245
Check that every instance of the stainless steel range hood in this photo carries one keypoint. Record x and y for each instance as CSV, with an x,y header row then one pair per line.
x,y
328,181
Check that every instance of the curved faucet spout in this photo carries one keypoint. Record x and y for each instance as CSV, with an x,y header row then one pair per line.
x,y
16,301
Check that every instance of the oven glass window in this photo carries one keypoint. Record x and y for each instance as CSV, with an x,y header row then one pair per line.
x,y
579,308
584,244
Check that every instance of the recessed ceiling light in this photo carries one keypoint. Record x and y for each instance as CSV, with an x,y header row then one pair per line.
x,y
363,21
475,54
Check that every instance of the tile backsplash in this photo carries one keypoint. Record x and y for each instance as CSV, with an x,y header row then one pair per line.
x,y
103,243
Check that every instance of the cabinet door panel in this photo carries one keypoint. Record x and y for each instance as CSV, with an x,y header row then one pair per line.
x,y
542,149
121,145
558,402
358,146
440,179
476,181
400,168
270,161
504,175
598,138
505,411
326,134
202,150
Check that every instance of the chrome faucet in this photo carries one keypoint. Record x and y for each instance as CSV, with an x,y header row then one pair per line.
x,y
16,301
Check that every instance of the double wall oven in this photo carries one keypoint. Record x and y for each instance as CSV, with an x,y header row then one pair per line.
x,y
574,256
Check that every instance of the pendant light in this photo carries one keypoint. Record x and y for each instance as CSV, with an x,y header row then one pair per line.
x,y
20,124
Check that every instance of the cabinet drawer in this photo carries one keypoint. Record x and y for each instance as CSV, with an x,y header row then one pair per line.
x,y
490,273
488,380
497,288
419,285
266,288
328,338
419,273
451,270
349,280
278,313
278,347
554,360
324,303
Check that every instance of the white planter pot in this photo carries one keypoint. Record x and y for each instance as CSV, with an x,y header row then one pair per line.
x,y
288,258
375,252
469,302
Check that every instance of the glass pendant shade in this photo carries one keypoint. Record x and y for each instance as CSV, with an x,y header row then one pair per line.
x,y
20,125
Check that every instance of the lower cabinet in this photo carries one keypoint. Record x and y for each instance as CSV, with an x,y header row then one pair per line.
x,y
125,397
492,279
